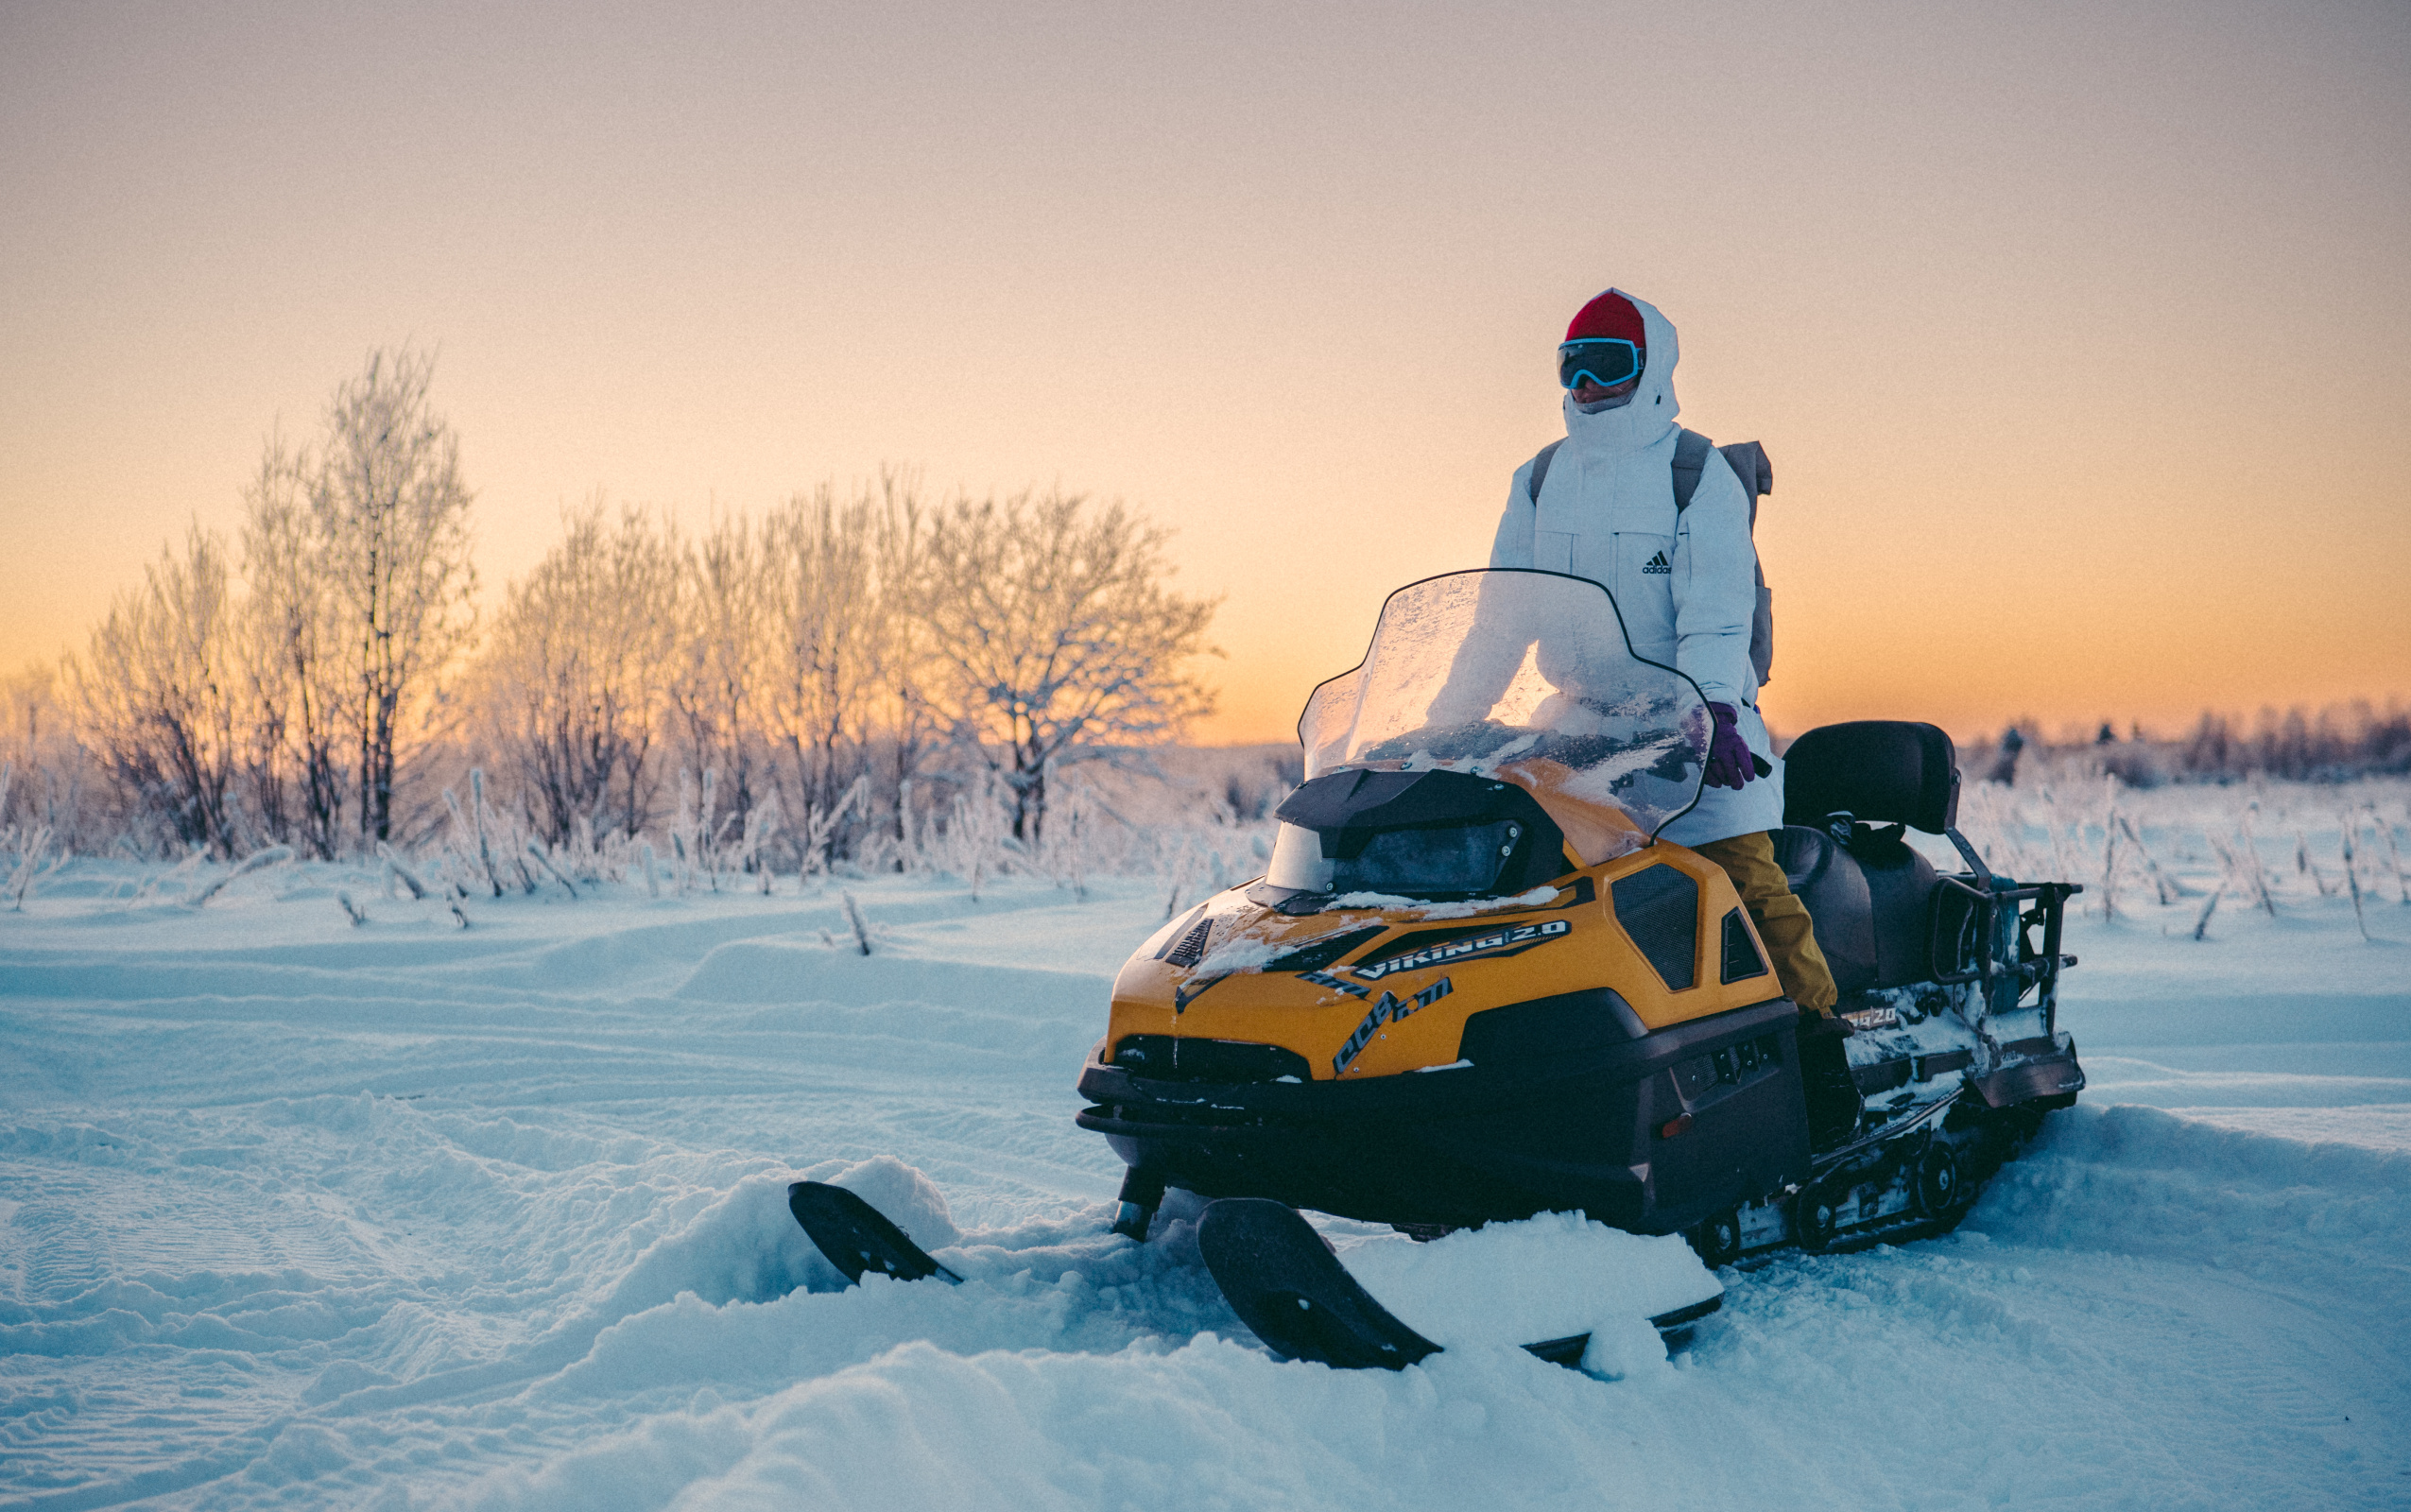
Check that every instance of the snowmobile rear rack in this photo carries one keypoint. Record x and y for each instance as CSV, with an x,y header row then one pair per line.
x,y
1979,930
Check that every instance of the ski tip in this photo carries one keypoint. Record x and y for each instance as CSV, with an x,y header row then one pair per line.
x,y
858,1238
1282,1279
1685,1317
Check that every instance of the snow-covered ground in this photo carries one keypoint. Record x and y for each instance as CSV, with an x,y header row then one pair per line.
x,y
409,1216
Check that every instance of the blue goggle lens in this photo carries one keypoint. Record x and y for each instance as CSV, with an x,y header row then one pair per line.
x,y
1606,361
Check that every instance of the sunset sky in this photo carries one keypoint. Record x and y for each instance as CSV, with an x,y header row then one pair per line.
x,y
2079,335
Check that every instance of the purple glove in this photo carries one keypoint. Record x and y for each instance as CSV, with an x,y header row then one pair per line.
x,y
1730,763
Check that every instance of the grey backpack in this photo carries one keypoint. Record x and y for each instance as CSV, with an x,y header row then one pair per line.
x,y
1748,461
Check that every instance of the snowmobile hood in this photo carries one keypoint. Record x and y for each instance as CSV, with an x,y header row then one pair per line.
x,y
1650,417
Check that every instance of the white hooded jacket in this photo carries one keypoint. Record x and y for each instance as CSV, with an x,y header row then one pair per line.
x,y
1685,580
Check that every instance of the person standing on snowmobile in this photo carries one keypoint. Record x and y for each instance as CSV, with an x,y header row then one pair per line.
x,y
1686,581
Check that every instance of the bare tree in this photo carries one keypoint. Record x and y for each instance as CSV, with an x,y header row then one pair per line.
x,y
828,613
55,784
1051,628
301,771
157,696
390,514
716,690
907,721
573,683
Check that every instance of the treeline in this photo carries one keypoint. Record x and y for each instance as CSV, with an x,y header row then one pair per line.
x,y
820,673
2334,742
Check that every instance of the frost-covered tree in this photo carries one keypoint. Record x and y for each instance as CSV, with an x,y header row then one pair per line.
x,y
157,693
825,609
845,659
390,516
573,686
909,724
1052,629
716,687
298,752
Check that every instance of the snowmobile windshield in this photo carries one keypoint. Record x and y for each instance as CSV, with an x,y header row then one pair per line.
x,y
1525,675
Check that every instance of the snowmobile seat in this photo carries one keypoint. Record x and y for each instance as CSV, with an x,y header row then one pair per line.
x,y
1848,790
1871,903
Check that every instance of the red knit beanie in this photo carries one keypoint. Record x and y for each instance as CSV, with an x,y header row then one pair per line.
x,y
1610,315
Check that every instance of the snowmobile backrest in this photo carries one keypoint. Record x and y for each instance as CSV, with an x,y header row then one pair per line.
x,y
1757,474
1885,771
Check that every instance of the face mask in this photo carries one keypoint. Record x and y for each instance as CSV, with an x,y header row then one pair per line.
x,y
1605,405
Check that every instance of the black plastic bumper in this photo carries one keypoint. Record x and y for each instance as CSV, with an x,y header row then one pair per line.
x,y
1524,1129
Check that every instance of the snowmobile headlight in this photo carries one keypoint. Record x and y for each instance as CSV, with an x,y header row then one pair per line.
x,y
1417,861
1420,862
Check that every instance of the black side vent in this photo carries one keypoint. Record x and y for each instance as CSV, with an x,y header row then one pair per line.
x,y
1660,908
1316,954
1165,1057
1549,1028
1192,947
1741,952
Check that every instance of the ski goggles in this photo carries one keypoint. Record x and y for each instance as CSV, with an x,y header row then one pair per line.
x,y
1605,361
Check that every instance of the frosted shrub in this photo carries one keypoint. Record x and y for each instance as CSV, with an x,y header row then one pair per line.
x,y
484,851
2263,846
976,842
821,825
25,853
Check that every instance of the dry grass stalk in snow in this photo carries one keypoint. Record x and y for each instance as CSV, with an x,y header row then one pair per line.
x,y
257,860
853,916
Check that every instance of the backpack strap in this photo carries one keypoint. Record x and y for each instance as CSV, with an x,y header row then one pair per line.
x,y
1540,469
1691,460
1691,457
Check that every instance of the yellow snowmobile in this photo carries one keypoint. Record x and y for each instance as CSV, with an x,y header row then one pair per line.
x,y
1474,984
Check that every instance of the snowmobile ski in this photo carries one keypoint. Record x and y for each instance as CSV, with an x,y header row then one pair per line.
x,y
856,1237
1279,1275
1288,1284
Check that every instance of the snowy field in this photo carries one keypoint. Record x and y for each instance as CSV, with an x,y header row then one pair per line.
x,y
406,1215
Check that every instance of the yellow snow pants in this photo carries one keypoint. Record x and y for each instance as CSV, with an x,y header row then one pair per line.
x,y
1781,918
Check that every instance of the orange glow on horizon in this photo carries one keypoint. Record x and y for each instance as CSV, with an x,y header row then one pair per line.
x,y
1290,282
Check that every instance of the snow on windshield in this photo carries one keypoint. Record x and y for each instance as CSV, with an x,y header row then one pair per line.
x,y
1523,674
